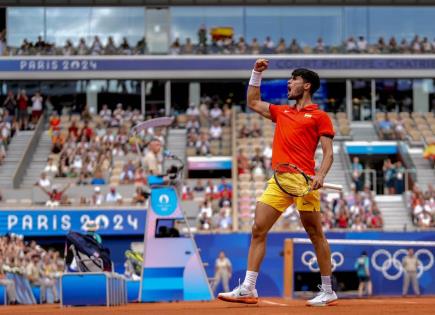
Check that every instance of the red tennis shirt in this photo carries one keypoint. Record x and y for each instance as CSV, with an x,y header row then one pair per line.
x,y
297,134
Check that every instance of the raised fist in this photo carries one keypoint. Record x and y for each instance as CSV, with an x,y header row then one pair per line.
x,y
261,64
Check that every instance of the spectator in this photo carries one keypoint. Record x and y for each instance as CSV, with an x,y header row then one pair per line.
x,y
97,198
320,46
202,36
203,145
192,111
223,271
153,159
82,49
216,131
205,214
83,179
255,46
361,45
211,190
47,280
429,152
268,44
358,224
125,47
386,128
140,177
389,177
294,47
224,185
357,170
410,265
68,48
242,47
393,47
176,47
43,181
54,122
22,102
141,196
351,46
415,45
363,273
113,196
9,285
381,47
10,103
98,178
97,47
243,166
188,47
400,177
37,102
187,194
110,48
127,175
56,195
199,187
215,112
258,159
343,219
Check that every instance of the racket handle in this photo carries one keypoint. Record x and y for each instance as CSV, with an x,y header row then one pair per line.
x,y
332,186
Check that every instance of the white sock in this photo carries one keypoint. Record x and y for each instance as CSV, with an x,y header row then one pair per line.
x,y
250,280
326,284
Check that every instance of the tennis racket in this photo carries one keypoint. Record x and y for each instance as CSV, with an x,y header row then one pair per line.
x,y
152,123
296,186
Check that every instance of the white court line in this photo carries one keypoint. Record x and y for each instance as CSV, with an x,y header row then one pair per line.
x,y
273,303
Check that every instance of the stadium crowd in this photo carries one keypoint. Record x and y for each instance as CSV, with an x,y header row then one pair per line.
x,y
422,206
30,261
18,112
207,125
220,45
215,210
354,211
99,150
96,47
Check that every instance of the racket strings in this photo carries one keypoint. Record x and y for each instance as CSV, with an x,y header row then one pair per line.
x,y
292,183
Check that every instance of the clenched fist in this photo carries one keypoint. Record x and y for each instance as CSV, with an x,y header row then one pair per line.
x,y
261,64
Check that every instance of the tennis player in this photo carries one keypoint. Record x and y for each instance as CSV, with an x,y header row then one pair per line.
x,y
299,128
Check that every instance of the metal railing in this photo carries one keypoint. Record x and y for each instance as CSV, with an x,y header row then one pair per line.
x,y
28,153
368,176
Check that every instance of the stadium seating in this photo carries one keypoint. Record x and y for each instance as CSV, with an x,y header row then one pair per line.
x,y
415,127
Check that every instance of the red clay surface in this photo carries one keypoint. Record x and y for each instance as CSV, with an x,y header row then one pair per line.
x,y
272,306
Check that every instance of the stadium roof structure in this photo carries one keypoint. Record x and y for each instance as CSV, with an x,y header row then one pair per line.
x,y
166,3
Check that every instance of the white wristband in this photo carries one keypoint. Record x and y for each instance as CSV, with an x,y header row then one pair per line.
x,y
255,78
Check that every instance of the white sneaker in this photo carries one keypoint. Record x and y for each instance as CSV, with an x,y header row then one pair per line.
x,y
240,295
323,298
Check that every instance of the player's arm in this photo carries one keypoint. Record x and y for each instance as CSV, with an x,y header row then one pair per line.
x,y
254,97
328,158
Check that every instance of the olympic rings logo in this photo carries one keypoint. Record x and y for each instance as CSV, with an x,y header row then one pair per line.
x,y
392,268
309,259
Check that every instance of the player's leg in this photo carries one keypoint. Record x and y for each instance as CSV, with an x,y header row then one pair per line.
x,y
369,287
265,217
311,220
360,288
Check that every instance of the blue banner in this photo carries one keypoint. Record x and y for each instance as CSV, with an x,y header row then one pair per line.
x,y
59,222
95,64
385,263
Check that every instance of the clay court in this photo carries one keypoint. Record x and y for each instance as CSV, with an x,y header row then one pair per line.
x,y
385,306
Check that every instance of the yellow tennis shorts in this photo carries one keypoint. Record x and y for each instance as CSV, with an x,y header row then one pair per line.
x,y
276,198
